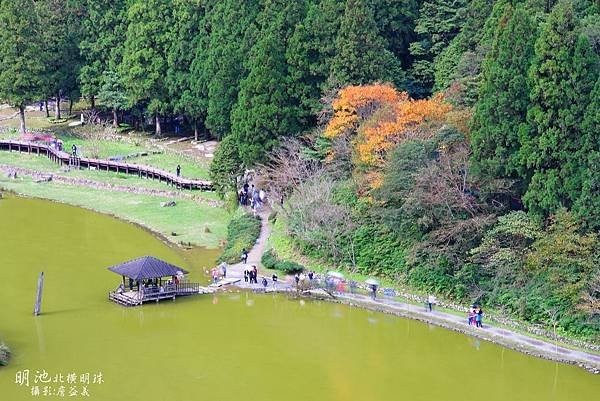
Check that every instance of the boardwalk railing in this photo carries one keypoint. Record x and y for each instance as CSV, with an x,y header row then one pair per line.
x,y
169,291
64,158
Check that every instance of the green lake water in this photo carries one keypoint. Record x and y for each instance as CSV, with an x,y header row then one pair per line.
x,y
232,346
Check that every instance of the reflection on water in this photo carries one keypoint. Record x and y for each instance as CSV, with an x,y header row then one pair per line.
x,y
231,346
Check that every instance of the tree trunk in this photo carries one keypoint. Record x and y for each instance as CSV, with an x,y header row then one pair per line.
x,y
92,102
115,119
22,116
58,106
46,105
158,130
196,132
70,106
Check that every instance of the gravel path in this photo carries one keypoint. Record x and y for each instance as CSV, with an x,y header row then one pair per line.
x,y
254,256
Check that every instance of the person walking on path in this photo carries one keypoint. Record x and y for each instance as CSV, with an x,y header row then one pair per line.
x,y
478,314
254,274
178,170
244,256
274,277
245,275
430,302
74,149
373,291
265,282
224,268
297,279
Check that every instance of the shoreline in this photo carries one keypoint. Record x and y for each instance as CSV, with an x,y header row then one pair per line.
x,y
590,364
536,348
160,236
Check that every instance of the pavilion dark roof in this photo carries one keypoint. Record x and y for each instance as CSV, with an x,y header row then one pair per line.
x,y
146,267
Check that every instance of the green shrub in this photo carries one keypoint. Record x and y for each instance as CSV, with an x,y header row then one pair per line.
x,y
242,232
289,267
270,261
4,354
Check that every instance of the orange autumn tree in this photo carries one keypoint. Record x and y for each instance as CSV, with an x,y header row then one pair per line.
x,y
380,117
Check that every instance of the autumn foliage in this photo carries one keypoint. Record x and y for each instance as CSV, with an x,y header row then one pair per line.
x,y
380,117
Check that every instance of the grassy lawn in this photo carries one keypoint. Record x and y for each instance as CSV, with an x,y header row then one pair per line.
x,y
194,223
43,164
166,160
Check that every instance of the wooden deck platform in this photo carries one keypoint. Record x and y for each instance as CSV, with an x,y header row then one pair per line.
x,y
170,291
64,158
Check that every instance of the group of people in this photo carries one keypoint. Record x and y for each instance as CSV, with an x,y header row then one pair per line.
x,y
250,196
300,278
215,272
474,315
251,275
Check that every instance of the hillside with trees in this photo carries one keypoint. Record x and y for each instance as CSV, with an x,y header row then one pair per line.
x,y
453,147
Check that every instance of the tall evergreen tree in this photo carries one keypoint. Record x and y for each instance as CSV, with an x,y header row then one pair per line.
x,y
112,94
437,25
555,149
504,96
144,66
20,69
396,22
460,63
588,205
60,53
310,52
101,45
362,56
265,111
232,30
187,39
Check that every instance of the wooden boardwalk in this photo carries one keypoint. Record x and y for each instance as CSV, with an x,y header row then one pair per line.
x,y
66,159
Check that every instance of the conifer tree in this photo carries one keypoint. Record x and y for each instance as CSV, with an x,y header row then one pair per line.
x,y
396,23
588,204
60,54
265,111
101,45
232,27
20,69
310,53
144,66
504,96
362,56
438,23
555,148
188,38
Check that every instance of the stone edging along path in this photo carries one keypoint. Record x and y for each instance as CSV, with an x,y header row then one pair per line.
x,y
35,174
504,337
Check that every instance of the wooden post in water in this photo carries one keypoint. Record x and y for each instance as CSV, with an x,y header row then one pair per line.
x,y
38,303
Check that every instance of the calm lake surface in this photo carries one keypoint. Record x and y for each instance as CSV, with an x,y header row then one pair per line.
x,y
232,346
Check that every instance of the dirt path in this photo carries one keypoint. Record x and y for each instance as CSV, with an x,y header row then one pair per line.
x,y
511,339
254,257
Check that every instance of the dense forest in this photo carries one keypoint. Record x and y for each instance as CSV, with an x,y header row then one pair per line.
x,y
450,145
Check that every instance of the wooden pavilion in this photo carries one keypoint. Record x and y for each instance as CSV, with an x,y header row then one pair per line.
x,y
150,279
